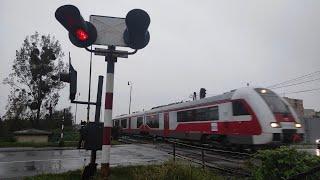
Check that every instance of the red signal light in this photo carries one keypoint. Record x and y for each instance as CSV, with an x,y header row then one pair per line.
x,y
82,35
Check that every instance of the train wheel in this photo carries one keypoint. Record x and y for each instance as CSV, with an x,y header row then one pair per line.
x,y
253,149
204,139
235,147
154,138
225,143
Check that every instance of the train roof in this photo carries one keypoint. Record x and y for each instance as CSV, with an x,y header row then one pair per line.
x,y
224,96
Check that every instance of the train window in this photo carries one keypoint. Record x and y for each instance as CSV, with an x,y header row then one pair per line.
x,y
153,121
139,121
116,123
274,102
185,116
213,113
124,123
203,114
239,109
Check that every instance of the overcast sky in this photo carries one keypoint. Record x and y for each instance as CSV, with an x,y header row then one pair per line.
x,y
218,45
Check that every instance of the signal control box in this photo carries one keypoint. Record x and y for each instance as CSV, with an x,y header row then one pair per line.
x,y
93,136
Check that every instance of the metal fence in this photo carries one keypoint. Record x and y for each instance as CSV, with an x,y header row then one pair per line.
x,y
202,160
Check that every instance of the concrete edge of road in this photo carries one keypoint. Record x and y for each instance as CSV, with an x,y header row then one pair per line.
x,y
19,149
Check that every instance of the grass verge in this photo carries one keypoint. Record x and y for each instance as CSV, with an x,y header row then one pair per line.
x,y
168,170
37,145
48,144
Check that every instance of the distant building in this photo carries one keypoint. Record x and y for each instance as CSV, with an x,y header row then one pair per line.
x,y
297,105
311,127
32,135
309,113
309,118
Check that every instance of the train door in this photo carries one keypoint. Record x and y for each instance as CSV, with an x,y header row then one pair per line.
x,y
225,114
166,124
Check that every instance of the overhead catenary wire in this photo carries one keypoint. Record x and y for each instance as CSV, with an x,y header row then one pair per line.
x,y
295,79
306,90
303,82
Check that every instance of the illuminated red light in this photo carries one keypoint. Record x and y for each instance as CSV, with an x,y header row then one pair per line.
x,y
82,35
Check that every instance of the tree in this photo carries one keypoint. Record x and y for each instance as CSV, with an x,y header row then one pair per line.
x,y
33,81
54,121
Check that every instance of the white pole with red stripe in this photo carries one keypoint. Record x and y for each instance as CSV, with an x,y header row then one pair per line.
x,y
106,144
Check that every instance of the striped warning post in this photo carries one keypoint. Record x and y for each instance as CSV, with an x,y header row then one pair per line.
x,y
106,144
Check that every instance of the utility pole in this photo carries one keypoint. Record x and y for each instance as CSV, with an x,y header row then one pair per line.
x,y
92,167
89,93
62,127
75,114
130,84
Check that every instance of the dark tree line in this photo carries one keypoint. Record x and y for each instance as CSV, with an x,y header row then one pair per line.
x,y
8,126
35,85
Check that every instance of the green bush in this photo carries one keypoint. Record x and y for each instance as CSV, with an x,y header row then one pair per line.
x,y
282,163
8,139
61,143
68,135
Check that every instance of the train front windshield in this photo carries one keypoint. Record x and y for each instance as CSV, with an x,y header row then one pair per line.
x,y
273,101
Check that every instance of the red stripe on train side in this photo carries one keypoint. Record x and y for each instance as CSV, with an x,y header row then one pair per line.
x,y
251,127
204,127
234,127
238,127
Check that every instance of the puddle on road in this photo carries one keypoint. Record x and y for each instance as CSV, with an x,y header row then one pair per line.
x,y
61,161
30,168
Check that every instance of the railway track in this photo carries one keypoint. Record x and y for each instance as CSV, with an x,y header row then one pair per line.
x,y
137,139
228,162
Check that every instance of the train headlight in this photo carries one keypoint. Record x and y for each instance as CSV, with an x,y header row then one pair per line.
x,y
275,125
298,125
263,91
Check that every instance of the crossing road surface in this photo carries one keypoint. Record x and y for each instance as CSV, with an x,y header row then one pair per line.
x,y
33,162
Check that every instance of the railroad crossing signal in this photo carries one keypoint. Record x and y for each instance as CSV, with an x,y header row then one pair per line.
x,y
132,32
137,35
71,78
102,30
81,33
203,93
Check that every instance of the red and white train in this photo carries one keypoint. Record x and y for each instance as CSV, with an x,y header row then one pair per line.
x,y
245,116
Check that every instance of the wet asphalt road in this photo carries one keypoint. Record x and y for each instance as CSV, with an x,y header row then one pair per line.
x,y
14,165
29,163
